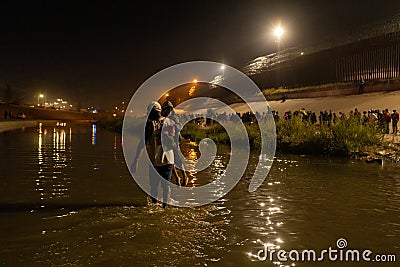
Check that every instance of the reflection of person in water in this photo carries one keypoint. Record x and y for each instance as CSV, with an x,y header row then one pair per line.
x,y
161,155
168,110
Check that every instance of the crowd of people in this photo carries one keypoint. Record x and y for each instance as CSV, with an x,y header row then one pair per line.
x,y
381,118
8,115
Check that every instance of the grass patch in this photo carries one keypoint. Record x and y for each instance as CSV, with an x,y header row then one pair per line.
x,y
346,137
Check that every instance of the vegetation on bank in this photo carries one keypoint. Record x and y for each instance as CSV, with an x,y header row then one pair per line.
x,y
111,123
345,137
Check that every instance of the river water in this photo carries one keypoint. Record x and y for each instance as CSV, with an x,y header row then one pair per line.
x,y
67,199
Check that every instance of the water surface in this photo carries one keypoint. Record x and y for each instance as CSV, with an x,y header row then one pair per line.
x,y
67,199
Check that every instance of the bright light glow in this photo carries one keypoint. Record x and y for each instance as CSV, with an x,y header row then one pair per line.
x,y
278,32
191,90
167,95
41,95
114,115
222,67
195,80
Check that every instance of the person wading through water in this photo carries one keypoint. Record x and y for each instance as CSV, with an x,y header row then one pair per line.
x,y
161,155
168,110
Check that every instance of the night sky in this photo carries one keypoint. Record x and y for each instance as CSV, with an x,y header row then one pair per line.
x,y
98,53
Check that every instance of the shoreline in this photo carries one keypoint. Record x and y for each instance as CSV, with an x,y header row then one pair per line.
x,y
14,125
20,124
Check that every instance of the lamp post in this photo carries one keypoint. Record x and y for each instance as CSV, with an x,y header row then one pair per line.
x,y
278,33
193,87
39,97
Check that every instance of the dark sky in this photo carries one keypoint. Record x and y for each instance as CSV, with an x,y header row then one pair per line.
x,y
99,52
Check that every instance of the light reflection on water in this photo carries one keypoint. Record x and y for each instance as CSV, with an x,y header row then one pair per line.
x,y
94,133
73,202
51,182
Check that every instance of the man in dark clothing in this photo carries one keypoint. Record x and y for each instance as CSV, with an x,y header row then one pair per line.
x,y
395,120
386,118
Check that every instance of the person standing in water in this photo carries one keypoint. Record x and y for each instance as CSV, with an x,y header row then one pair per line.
x,y
161,154
168,110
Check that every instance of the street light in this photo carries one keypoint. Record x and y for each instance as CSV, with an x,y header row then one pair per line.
x,y
193,87
278,32
40,96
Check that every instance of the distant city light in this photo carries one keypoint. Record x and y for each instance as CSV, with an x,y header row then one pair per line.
x,y
114,115
167,95
38,99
